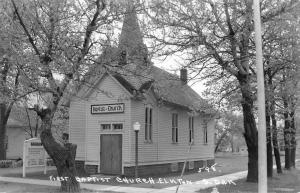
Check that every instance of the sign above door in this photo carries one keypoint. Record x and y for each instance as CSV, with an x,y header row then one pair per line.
x,y
107,108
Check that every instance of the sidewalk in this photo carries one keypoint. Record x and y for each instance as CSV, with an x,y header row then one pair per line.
x,y
195,186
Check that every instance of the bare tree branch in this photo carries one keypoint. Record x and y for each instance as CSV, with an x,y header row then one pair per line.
x,y
100,6
25,28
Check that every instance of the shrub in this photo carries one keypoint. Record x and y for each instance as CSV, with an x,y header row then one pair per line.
x,y
6,163
17,163
50,162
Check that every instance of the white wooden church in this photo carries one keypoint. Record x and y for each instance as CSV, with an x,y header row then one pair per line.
x,y
124,88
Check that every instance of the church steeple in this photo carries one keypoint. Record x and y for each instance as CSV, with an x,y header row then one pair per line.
x,y
131,46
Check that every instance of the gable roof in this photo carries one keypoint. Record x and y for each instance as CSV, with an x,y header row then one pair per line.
x,y
138,80
130,66
166,87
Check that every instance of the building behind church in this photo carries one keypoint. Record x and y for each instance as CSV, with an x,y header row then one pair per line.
x,y
125,88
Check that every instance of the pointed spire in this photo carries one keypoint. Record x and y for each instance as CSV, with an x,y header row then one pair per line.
x,y
131,44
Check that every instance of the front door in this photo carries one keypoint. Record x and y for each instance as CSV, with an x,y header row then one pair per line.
x,y
111,154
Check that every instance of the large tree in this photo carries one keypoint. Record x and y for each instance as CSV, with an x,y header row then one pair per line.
x,y
217,36
289,100
281,42
10,74
62,39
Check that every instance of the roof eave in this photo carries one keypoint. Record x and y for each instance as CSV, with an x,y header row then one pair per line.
x,y
166,102
201,111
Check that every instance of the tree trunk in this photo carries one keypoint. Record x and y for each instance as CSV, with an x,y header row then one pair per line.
x,y
293,140
36,127
220,140
274,123
62,156
268,101
286,134
269,146
252,175
293,154
2,132
275,143
29,123
250,134
232,145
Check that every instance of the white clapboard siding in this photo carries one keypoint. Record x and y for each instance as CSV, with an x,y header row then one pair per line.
x,y
85,128
177,151
77,125
148,151
211,137
109,92
169,150
162,150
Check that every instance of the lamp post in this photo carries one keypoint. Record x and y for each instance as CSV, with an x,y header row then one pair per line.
x,y
136,128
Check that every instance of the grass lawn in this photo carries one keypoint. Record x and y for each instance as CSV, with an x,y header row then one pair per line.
x,y
8,187
40,175
17,187
288,182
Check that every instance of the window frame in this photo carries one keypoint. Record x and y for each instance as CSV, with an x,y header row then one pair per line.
x,y
174,128
191,129
105,124
205,132
114,124
111,125
148,124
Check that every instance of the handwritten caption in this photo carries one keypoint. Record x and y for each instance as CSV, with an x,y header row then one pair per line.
x,y
209,169
144,180
150,180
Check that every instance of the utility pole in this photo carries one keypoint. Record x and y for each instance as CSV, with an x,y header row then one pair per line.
x,y
262,145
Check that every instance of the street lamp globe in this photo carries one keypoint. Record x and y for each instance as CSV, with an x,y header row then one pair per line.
x,y
136,126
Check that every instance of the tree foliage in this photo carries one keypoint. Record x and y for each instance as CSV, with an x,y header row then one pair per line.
x,y
227,127
59,41
217,40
